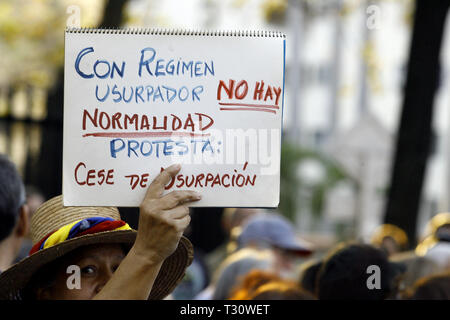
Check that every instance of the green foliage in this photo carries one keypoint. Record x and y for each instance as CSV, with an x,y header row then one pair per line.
x,y
290,199
289,184
275,11
32,38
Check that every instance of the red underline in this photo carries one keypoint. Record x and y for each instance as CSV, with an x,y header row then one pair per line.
x,y
250,109
270,106
144,134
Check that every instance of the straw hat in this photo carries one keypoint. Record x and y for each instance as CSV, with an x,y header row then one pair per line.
x,y
389,230
52,215
436,222
431,237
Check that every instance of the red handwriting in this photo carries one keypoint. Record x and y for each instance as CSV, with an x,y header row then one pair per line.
x,y
270,92
142,122
250,109
92,177
204,180
239,92
234,179
261,92
145,134
135,180
250,105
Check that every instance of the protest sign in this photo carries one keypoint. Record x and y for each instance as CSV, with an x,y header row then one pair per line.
x,y
137,101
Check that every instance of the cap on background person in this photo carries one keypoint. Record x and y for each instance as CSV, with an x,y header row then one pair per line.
x,y
272,230
14,213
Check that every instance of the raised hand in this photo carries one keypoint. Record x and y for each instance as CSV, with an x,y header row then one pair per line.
x,y
163,219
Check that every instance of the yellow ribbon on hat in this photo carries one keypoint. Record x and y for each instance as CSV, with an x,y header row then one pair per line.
x,y
63,233
60,235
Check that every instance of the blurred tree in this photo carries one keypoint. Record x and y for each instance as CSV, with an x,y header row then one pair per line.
x,y
291,184
415,130
32,39
275,10
50,161
113,16
31,44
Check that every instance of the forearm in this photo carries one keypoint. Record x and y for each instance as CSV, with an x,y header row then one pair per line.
x,y
162,221
133,279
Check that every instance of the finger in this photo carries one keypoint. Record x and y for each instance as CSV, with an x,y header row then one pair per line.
x,y
175,198
183,223
178,212
156,188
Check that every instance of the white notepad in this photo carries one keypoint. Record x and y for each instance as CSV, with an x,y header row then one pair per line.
x,y
139,100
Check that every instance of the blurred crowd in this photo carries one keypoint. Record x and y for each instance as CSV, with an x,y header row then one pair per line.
x,y
264,258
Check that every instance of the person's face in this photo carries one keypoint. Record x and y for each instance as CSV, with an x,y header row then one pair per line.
x,y
390,245
285,263
97,264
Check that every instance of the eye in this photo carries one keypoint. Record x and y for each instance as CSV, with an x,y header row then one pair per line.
x,y
89,270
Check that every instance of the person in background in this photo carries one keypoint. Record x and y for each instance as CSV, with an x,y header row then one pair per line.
x,y
308,275
435,287
416,267
232,269
275,233
195,280
14,213
390,239
267,242
281,290
430,256
232,221
264,285
436,244
250,282
34,199
345,273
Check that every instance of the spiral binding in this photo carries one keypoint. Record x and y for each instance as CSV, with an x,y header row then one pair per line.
x,y
182,32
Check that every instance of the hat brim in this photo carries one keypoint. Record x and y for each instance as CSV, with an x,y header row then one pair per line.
x,y
295,246
295,249
14,279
